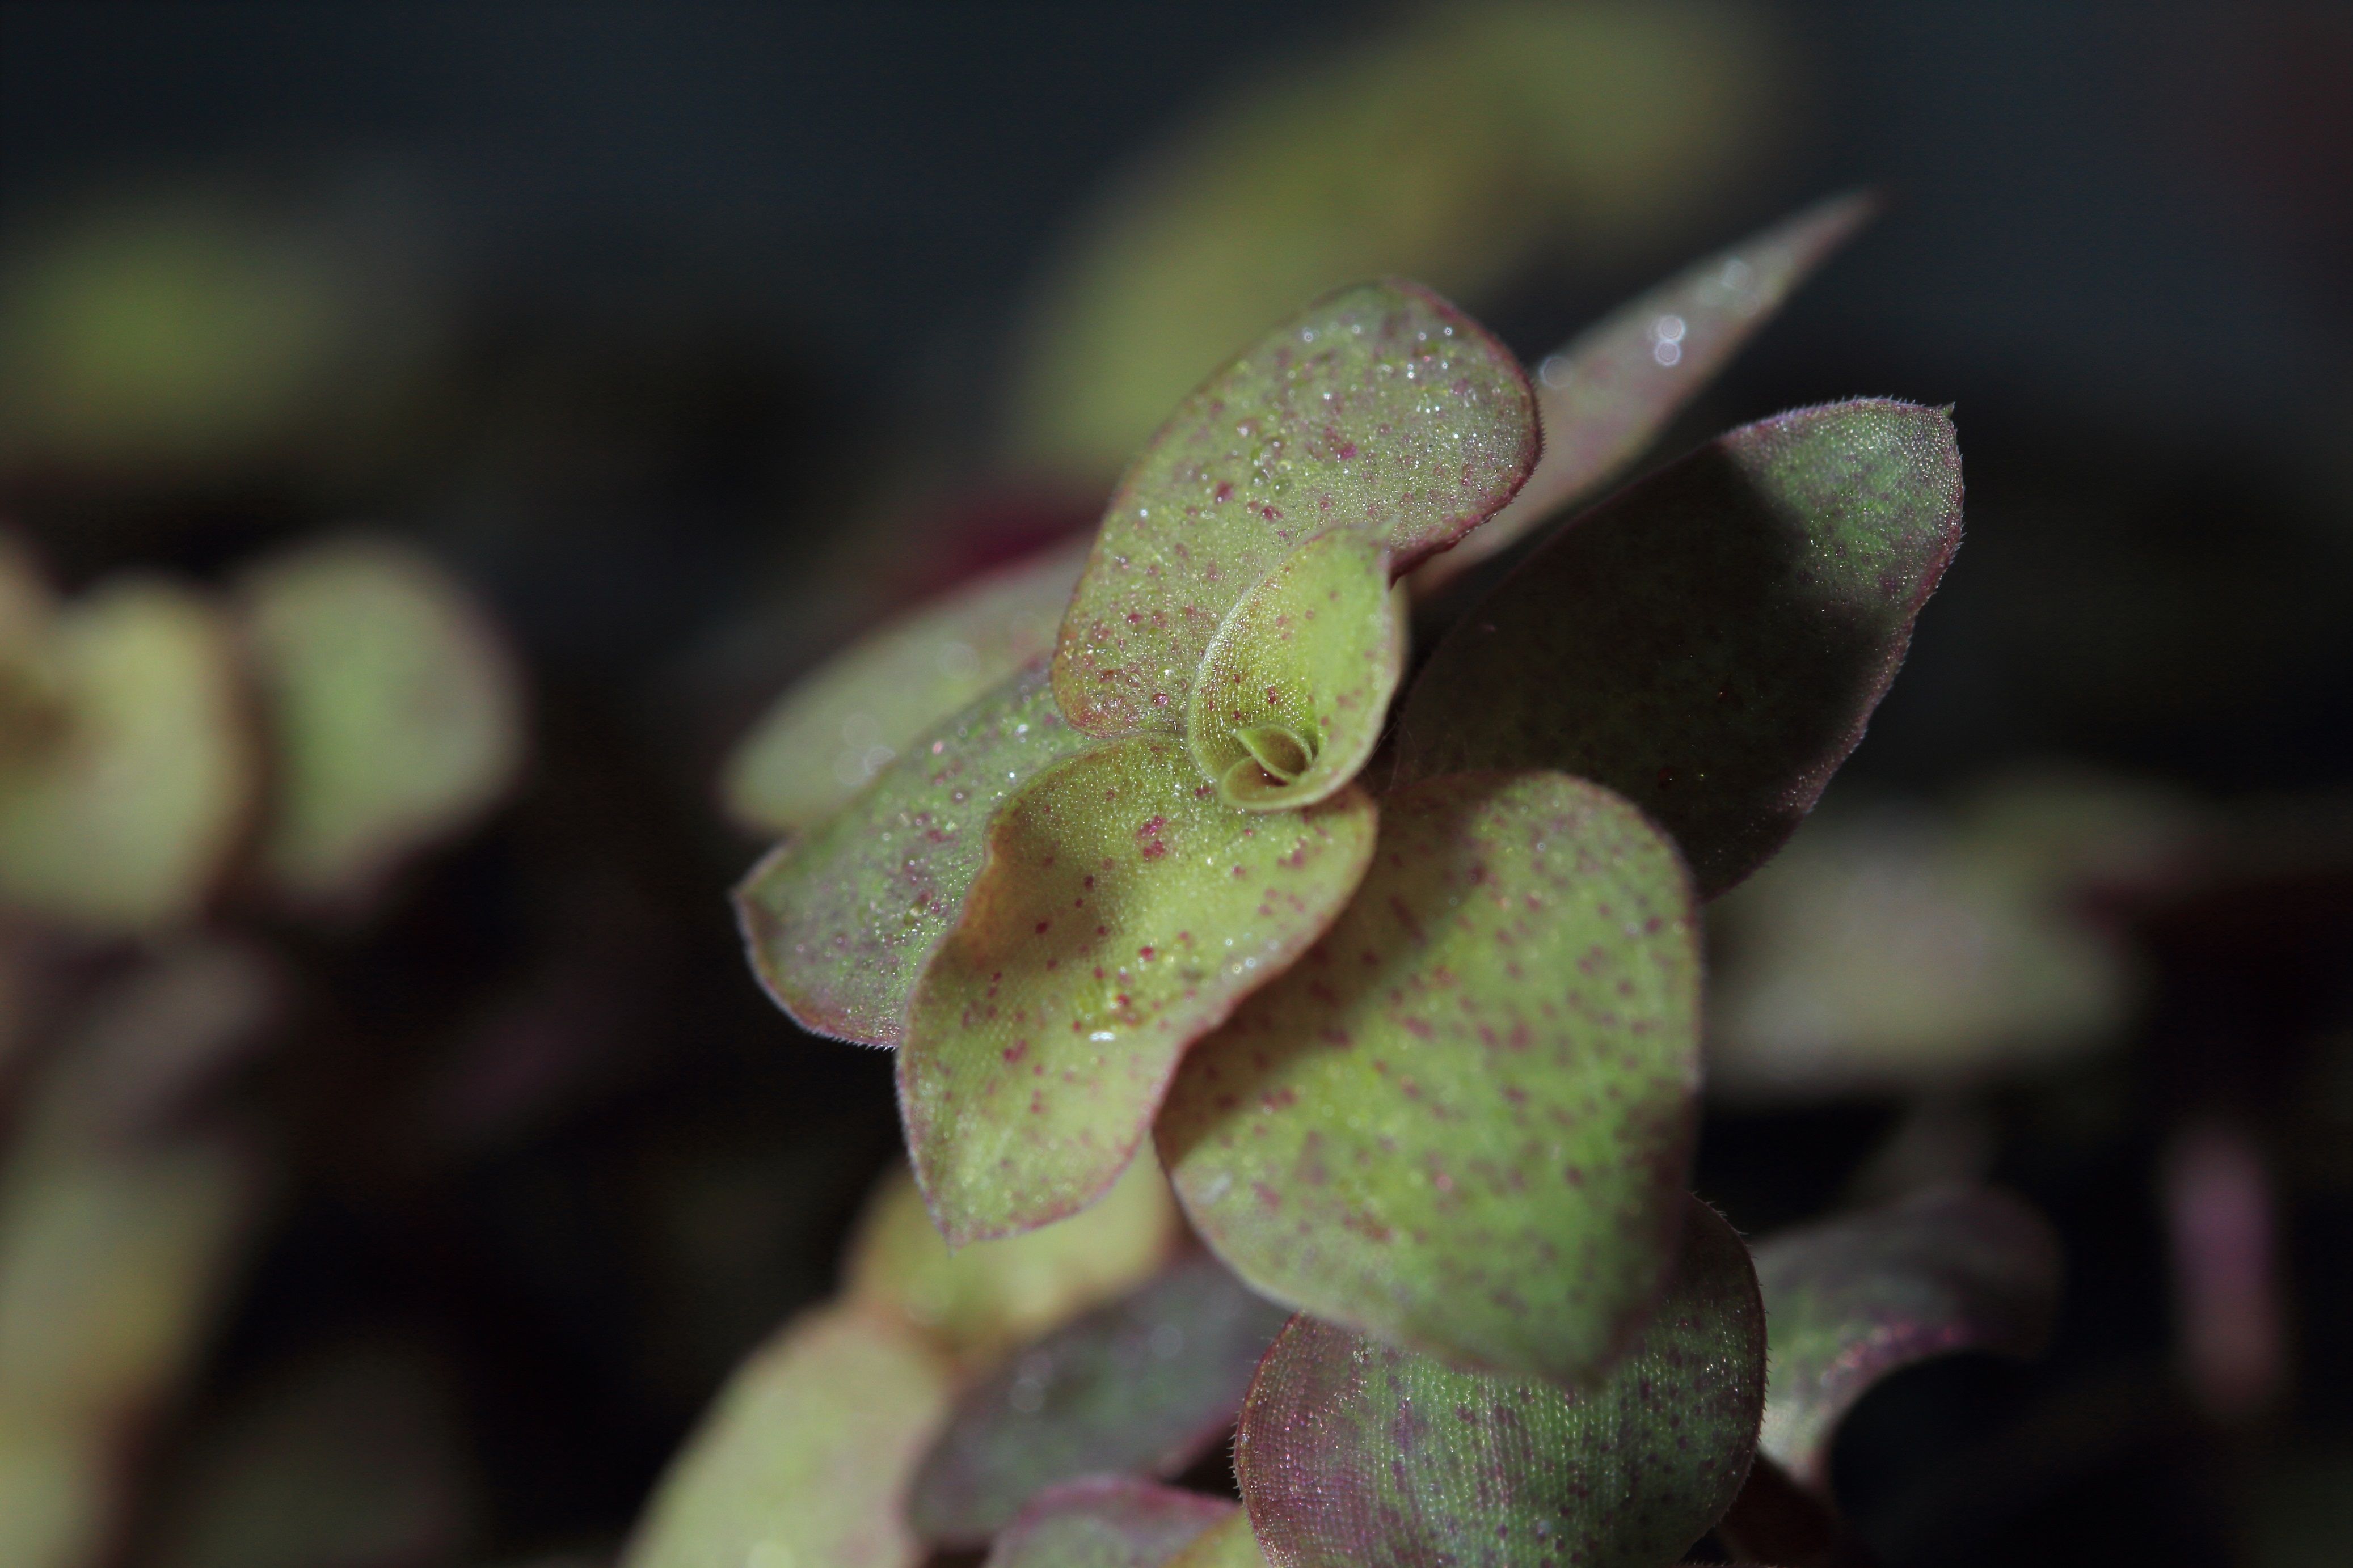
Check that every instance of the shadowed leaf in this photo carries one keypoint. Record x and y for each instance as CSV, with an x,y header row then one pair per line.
x,y
1462,1121
842,724
805,1456
1710,642
393,712
1122,911
1856,1298
1608,393
1230,1544
1290,697
1143,1386
1356,1453
1380,409
838,923
1106,1522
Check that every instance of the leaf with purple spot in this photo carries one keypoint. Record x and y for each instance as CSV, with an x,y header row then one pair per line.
x,y
1356,1454
1107,1521
1855,1299
1710,642
1121,911
1463,1120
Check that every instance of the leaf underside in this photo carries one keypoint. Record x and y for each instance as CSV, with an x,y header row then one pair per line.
x,y
1107,1521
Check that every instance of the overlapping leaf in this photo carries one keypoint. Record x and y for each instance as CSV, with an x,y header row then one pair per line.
x,y
841,725
1462,1121
1710,642
1143,1386
838,923
1380,409
1355,1453
1230,1543
1122,911
1855,1299
1107,1521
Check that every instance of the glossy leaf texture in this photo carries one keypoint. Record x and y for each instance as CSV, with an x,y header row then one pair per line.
x,y
838,923
1855,1299
805,1456
1380,409
827,737
1462,1122
1107,1521
1122,911
1355,1453
1143,1386
1710,642
1610,392
1291,696
392,708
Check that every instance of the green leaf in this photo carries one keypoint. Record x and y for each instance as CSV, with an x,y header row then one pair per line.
x,y
1463,1120
841,724
393,711
1855,1299
1143,1387
1107,1521
1355,1453
1608,392
1121,913
1230,1544
1380,409
1710,642
839,923
805,1455
1291,696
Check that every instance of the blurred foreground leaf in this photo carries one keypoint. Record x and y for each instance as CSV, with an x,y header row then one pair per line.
x,y
1230,1544
1106,1522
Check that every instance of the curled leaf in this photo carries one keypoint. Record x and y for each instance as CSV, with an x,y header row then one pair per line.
x,y
1106,1522
1710,642
1142,1386
1462,1121
824,740
1291,694
1355,1453
838,923
1855,1299
1122,911
1380,409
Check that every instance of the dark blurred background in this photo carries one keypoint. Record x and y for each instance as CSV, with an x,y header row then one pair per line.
x,y
693,336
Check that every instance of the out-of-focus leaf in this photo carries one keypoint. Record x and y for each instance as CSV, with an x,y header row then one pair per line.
x,y
1106,1522
1291,694
157,1036
1228,1544
1467,144
1608,392
351,1461
1380,409
1462,1121
980,1301
1855,1299
393,711
830,735
1123,909
805,1456
1710,643
1355,1453
839,923
122,817
1143,1386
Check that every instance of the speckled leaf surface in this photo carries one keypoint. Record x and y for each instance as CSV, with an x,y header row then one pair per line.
x,y
1711,641
838,923
1610,391
1143,1386
1123,909
1290,697
805,1456
391,710
123,812
824,740
1380,409
1854,1299
1355,1453
1106,1522
1230,1544
1462,1121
